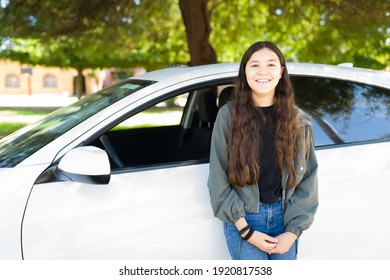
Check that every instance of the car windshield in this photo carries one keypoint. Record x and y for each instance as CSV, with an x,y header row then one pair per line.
x,y
18,146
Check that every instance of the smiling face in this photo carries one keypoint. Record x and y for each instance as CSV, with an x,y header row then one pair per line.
x,y
263,72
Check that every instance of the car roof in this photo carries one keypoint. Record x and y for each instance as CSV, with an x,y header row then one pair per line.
x,y
367,76
180,72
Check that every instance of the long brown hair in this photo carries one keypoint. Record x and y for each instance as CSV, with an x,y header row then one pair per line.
x,y
244,141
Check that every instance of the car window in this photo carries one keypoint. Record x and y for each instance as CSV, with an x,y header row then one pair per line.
x,y
165,113
177,129
344,111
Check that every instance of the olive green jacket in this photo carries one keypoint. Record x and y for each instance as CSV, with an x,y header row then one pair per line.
x,y
230,203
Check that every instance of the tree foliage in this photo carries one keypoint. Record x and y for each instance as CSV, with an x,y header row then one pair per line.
x,y
92,34
156,33
323,31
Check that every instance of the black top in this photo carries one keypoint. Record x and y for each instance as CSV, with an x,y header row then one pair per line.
x,y
270,185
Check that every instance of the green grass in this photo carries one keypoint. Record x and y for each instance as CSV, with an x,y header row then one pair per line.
x,y
24,111
8,128
124,127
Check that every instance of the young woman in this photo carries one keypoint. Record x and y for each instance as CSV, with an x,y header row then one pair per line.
x,y
263,168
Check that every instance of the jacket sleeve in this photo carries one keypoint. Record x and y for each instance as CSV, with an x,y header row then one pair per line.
x,y
302,205
225,202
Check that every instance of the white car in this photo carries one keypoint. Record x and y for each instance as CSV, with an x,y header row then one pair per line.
x,y
121,174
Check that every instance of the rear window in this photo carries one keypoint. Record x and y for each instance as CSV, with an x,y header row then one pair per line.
x,y
344,111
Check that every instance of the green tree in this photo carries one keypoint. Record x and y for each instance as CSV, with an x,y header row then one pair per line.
x,y
125,31
196,17
71,34
321,31
155,33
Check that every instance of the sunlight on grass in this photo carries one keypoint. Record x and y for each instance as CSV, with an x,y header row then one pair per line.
x,y
8,128
24,112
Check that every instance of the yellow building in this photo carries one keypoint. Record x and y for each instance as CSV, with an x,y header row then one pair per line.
x,y
25,79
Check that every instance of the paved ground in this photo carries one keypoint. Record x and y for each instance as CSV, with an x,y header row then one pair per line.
x,y
36,100
31,101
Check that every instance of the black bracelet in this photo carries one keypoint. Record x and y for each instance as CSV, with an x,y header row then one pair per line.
x,y
249,234
244,229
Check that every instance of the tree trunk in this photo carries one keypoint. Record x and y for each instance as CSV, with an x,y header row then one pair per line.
x,y
79,84
196,19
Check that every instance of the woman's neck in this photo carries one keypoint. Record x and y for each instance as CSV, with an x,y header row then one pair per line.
x,y
263,100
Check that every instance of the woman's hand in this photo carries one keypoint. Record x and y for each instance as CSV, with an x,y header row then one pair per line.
x,y
263,241
260,240
285,240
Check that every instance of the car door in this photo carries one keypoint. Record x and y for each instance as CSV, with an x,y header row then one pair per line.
x,y
155,210
152,214
351,132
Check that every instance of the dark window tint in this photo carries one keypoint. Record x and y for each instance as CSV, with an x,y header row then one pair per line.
x,y
344,111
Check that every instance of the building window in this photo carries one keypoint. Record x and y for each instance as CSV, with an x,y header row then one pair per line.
x,y
12,81
49,81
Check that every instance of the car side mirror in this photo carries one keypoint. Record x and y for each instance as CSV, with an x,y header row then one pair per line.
x,y
87,164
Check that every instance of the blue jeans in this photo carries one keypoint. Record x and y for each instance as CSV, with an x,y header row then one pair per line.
x,y
268,220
